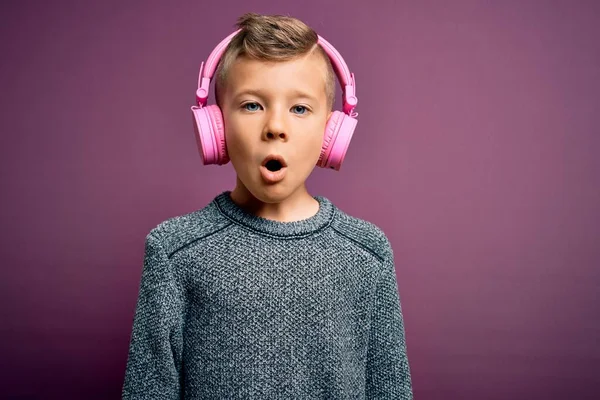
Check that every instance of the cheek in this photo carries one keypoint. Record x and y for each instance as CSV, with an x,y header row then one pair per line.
x,y
318,134
311,146
236,148
239,148
233,138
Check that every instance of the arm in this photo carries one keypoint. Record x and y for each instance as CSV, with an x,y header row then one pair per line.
x,y
388,372
154,361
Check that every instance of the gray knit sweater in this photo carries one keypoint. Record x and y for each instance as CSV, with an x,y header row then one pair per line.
x,y
235,306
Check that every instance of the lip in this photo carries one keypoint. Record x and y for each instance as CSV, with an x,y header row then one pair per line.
x,y
274,157
273,176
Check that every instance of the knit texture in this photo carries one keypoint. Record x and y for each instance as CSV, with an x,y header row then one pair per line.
x,y
236,306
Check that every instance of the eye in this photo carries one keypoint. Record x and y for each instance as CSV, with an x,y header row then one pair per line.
x,y
300,109
251,107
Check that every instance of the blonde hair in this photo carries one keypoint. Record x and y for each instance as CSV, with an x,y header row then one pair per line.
x,y
273,38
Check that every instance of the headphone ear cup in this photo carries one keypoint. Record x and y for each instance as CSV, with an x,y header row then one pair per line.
x,y
216,119
338,133
210,134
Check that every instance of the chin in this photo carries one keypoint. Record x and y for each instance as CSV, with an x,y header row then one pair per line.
x,y
272,193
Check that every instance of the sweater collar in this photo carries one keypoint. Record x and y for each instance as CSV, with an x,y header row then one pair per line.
x,y
269,227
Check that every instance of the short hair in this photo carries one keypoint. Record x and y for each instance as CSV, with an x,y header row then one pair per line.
x,y
273,38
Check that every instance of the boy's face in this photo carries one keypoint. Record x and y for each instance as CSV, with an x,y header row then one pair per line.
x,y
275,108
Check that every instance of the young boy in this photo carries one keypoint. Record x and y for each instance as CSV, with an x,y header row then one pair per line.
x,y
268,292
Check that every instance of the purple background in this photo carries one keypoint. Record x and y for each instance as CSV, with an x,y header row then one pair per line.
x,y
476,152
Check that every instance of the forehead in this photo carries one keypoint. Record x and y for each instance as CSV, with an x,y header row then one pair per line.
x,y
306,73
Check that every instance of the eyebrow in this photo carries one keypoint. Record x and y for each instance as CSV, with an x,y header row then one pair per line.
x,y
296,93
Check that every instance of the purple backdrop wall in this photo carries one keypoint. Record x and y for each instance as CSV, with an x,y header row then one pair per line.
x,y
476,152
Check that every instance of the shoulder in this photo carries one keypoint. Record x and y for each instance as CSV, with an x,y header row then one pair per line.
x,y
178,232
363,233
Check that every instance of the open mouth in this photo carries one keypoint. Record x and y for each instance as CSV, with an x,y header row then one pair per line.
x,y
274,163
273,169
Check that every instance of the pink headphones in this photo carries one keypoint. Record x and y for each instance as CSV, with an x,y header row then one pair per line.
x,y
208,120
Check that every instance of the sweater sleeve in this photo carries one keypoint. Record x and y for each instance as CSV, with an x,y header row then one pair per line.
x,y
388,372
153,368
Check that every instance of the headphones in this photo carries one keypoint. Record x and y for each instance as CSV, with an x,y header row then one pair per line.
x,y
208,120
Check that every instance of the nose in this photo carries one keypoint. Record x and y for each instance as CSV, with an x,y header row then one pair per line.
x,y
275,128
272,135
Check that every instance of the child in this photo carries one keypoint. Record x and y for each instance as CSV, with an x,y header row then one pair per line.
x,y
268,292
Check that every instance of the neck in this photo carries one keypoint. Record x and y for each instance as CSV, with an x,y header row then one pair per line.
x,y
299,205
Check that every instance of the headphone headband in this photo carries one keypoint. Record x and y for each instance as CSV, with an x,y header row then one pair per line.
x,y
345,77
